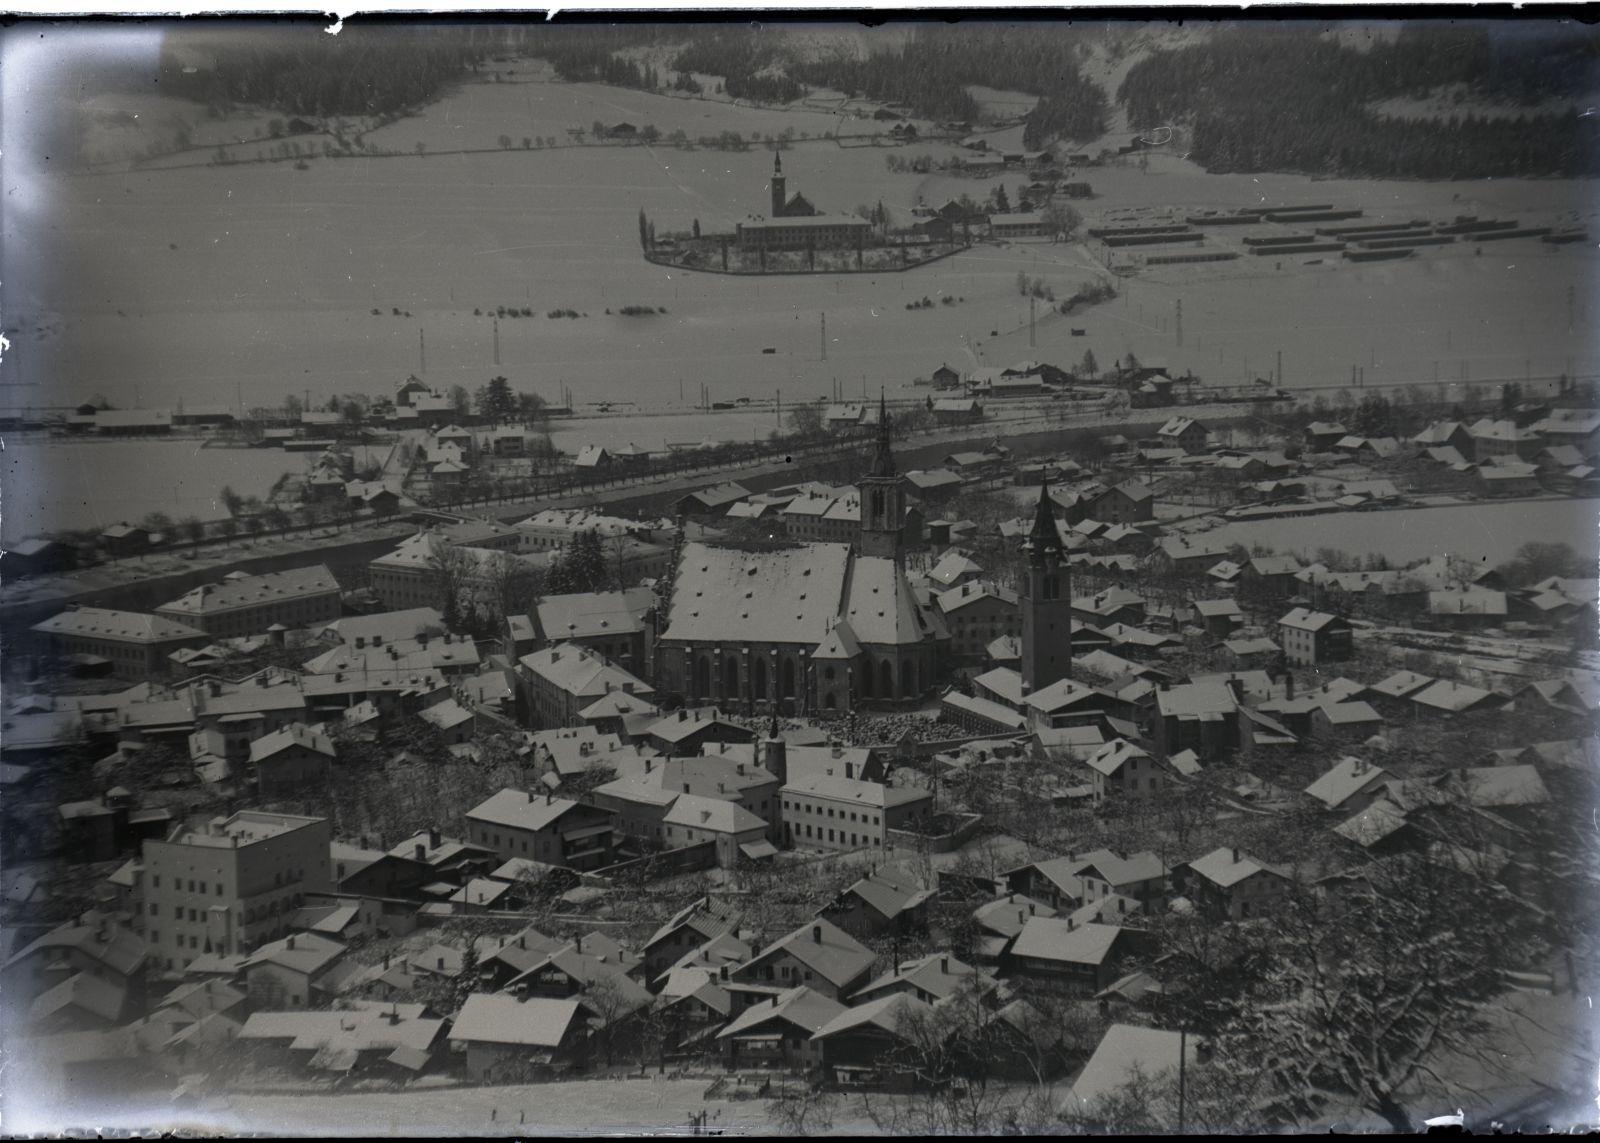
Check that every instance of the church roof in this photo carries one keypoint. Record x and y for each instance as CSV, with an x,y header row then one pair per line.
x,y
783,595
880,607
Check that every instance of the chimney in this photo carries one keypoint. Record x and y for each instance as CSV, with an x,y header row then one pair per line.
x,y
441,964
944,965
385,962
422,852
1236,857
291,942
647,762
723,974
683,716
739,766
849,770
577,943
816,934
433,838
1288,685
838,751
1032,908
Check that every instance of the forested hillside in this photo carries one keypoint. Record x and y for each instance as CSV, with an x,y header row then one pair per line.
x,y
931,73
365,70
1283,97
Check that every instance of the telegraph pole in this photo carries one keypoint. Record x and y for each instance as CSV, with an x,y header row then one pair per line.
x,y
497,341
1179,323
422,352
824,337
1032,306
1183,1051
1280,367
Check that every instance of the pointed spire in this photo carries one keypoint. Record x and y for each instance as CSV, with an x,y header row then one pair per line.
x,y
883,462
1044,536
777,162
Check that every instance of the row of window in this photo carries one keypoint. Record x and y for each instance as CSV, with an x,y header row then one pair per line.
x,y
808,808
816,835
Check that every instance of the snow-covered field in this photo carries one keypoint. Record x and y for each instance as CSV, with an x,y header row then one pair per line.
x,y
187,282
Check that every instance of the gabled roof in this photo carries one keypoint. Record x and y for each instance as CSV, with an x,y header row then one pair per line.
x,y
886,1014
715,814
937,974
306,953
1126,1051
295,734
1225,867
250,590
521,809
1114,755
803,1008
1304,619
1057,939
499,1018
824,948
110,624
890,891
1348,777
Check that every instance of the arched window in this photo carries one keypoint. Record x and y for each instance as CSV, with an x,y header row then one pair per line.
x,y
702,677
788,678
761,679
830,702
877,504
908,678
828,674
886,678
730,676
866,681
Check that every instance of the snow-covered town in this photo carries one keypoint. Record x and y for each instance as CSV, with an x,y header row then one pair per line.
x,y
1062,747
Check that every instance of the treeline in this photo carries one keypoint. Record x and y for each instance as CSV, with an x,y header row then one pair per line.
x,y
931,75
1288,98
747,62
365,70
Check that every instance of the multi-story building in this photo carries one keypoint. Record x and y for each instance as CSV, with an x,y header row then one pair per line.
x,y
613,623
827,811
410,576
558,683
1312,637
230,884
248,605
977,614
556,831
134,643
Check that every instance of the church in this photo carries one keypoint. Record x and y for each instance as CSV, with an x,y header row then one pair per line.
x,y
794,224
817,629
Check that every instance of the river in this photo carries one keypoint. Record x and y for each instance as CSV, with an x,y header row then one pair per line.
x,y
1483,531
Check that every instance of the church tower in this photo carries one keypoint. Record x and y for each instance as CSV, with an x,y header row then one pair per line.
x,y
779,186
883,498
1046,602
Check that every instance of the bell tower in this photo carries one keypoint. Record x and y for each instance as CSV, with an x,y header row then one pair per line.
x,y
883,498
1046,602
779,186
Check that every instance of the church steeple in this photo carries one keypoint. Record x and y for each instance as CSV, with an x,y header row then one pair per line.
x,y
779,186
883,497
1046,601
883,459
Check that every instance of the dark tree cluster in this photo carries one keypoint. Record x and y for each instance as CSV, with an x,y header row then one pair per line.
x,y
365,70
746,61
1285,97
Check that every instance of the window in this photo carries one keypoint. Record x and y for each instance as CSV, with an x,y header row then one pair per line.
x,y
155,910
219,888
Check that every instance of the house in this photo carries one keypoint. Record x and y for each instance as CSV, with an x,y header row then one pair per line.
x,y
888,899
556,831
780,1031
1199,716
1068,883
37,557
690,928
957,410
977,614
1272,575
291,759
1468,609
289,973
122,540
1508,479
710,502
350,1039
865,1045
1228,883
1055,954
1345,720
1184,433
1350,786
931,979
250,604
1505,438
1220,617
837,811
1446,698
92,945
1321,436
505,1037
1311,637
818,954
1130,502
735,832
1122,769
